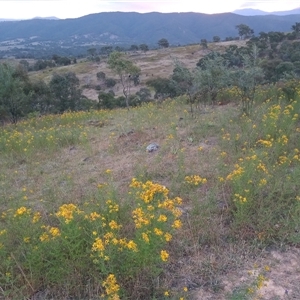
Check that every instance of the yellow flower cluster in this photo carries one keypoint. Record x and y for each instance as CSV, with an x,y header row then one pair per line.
x,y
21,211
240,198
262,167
113,207
93,216
67,212
237,172
195,179
164,255
51,233
109,238
36,217
111,287
265,143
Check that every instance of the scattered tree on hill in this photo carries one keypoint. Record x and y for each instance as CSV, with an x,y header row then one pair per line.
x,y
144,95
119,49
163,87
106,50
244,31
100,75
41,64
61,60
92,51
41,98
133,48
203,43
110,82
216,39
247,79
65,91
210,78
296,28
125,69
185,81
25,64
144,47
163,43
106,100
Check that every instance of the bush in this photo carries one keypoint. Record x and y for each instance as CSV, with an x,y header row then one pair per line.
x,y
110,82
105,246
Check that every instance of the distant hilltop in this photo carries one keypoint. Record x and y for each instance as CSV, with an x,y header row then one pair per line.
x,y
257,12
35,18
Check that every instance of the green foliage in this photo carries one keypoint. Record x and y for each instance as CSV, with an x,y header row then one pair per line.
x,y
203,43
61,60
59,231
144,95
184,79
41,97
133,48
265,193
13,101
100,75
247,80
110,82
65,91
106,100
78,244
210,78
216,39
144,47
244,31
163,43
163,87
42,64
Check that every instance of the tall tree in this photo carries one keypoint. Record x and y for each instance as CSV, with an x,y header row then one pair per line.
x,y
66,92
185,81
125,69
163,43
296,28
211,76
13,101
244,31
144,47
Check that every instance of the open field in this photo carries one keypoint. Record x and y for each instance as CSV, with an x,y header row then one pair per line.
x,y
68,159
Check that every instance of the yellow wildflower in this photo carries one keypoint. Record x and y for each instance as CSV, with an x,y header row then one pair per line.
x,y
164,255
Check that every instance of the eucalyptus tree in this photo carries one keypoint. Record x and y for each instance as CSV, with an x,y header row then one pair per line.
x,y
126,71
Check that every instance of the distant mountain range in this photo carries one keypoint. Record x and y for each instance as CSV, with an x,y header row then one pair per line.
x,y
257,12
121,28
42,18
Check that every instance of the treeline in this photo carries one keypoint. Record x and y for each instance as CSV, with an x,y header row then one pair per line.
x,y
20,97
266,59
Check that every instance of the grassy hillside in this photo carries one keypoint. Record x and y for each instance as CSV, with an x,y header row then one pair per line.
x,y
153,64
88,213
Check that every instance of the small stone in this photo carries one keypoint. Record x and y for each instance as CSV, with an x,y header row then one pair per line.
x,y
152,147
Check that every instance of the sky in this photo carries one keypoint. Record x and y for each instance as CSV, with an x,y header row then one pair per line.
x,y
24,9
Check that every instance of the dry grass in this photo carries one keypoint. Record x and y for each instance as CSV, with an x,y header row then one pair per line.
x,y
204,259
154,63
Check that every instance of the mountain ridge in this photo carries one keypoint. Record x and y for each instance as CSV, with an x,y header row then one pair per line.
x,y
119,27
258,12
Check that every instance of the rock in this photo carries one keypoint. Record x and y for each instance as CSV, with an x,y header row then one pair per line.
x,y
152,147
